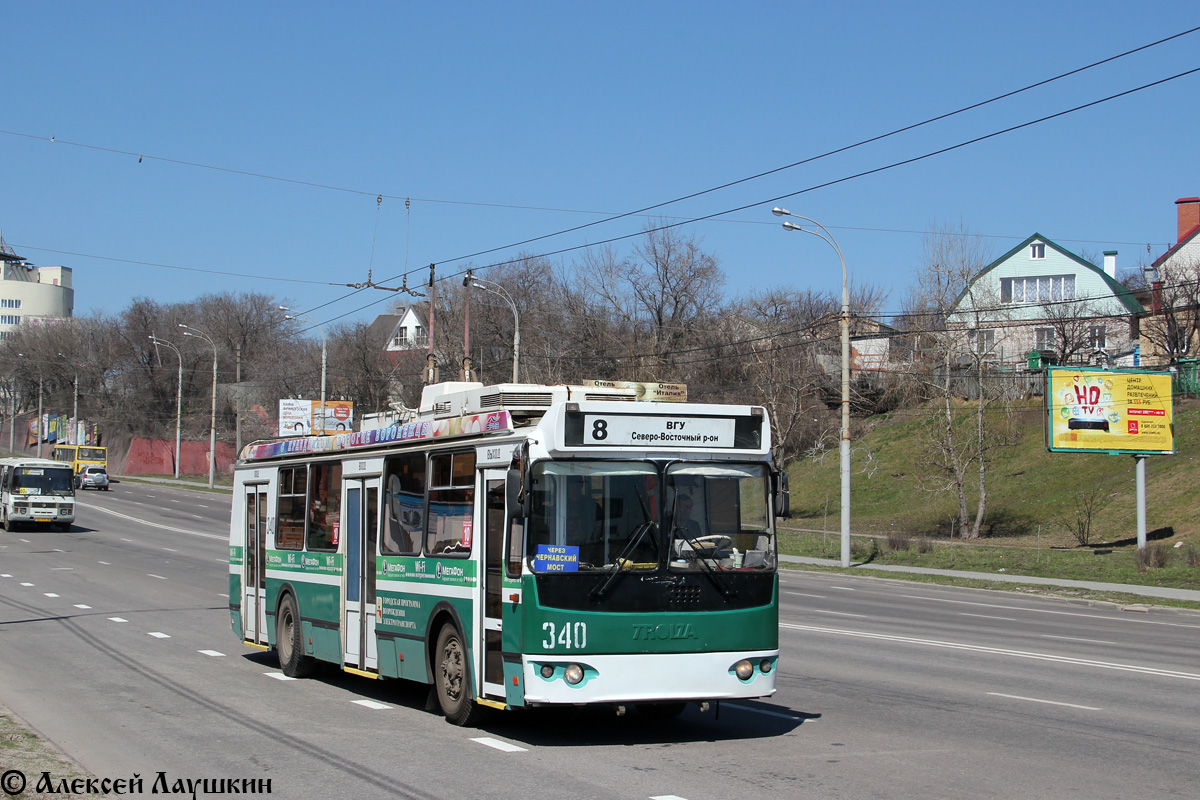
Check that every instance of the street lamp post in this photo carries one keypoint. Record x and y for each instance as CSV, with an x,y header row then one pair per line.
x,y
501,292
178,397
212,425
292,314
823,233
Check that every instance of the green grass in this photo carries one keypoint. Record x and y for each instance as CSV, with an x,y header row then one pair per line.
x,y
1029,489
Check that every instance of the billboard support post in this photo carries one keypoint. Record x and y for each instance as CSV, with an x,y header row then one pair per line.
x,y
1140,473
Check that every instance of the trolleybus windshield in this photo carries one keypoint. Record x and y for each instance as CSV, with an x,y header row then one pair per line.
x,y
605,516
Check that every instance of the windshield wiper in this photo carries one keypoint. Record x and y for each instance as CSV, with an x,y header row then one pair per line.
x,y
712,574
639,533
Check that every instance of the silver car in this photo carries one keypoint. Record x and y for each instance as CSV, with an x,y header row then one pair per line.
x,y
93,477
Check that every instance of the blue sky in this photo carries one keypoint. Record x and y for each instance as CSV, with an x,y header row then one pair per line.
x,y
507,121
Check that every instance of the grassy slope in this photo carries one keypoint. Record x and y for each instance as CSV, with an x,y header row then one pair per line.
x,y
1027,486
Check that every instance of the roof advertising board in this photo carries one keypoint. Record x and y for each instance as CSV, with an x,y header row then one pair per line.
x,y
1108,411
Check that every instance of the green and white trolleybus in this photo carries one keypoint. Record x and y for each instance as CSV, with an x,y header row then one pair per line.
x,y
519,546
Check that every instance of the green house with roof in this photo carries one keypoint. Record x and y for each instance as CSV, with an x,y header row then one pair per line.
x,y
1042,297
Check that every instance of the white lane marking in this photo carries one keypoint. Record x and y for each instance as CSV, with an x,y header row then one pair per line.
x,y
57,550
6,575
1096,616
839,613
212,653
371,704
62,569
26,541
223,538
844,588
152,575
170,549
81,605
158,635
117,619
50,594
105,563
174,501
999,651
27,584
123,539
279,676
504,747
667,797
987,616
1076,639
1047,702
802,594
762,711
202,505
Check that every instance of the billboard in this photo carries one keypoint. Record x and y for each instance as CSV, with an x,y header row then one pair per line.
x,y
299,417
1108,411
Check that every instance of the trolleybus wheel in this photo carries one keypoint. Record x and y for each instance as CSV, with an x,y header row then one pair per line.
x,y
451,674
288,641
660,710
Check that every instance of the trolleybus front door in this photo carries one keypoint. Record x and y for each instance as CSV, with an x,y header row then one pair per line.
x,y
254,566
362,543
493,549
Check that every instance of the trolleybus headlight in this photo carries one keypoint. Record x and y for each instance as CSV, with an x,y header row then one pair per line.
x,y
743,669
573,674
766,665
547,671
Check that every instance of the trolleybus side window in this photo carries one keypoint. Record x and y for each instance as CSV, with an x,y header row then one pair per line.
x,y
451,501
289,534
324,517
404,499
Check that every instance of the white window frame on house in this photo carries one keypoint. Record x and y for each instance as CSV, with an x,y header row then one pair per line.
x,y
1096,337
983,341
1044,339
1037,251
1037,289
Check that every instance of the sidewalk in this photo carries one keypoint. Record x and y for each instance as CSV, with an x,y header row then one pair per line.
x,y
1127,588
166,481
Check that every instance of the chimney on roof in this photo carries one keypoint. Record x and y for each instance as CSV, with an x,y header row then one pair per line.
x,y
1189,215
1110,263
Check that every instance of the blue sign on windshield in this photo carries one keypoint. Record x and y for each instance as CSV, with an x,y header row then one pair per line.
x,y
556,558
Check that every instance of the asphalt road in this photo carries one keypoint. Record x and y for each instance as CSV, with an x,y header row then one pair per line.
x,y
115,643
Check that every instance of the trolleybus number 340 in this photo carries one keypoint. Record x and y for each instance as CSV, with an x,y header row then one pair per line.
x,y
570,636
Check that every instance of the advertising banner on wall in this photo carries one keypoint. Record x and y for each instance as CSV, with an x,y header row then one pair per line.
x,y
1108,411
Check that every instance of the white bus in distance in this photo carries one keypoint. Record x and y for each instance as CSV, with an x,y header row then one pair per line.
x,y
36,491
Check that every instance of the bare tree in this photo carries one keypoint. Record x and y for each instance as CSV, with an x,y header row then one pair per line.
x,y
963,327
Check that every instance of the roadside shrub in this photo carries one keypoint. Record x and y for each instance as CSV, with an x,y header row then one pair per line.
x,y
1191,555
1080,515
924,545
897,541
1154,556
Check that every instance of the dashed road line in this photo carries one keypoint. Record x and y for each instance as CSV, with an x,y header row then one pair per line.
x,y
504,747
158,635
371,704
212,653
1047,702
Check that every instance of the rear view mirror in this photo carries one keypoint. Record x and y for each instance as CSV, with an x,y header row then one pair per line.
x,y
783,495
